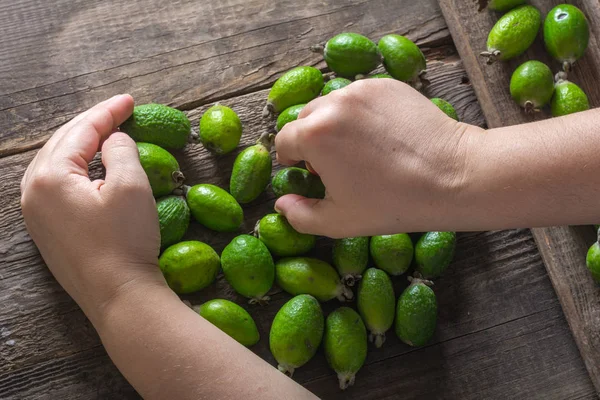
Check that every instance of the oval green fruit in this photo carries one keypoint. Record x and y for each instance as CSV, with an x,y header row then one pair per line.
x,y
288,115
296,333
416,314
304,275
297,86
158,124
512,35
248,267
281,238
446,107
345,344
376,304
214,208
402,59
380,76
220,129
350,257
251,171
433,253
566,34
173,219
568,99
294,180
231,319
592,261
161,168
335,84
189,266
392,253
504,5
349,54
532,85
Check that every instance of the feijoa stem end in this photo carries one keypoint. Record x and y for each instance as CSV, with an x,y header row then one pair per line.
x,y
561,77
193,138
261,301
256,228
567,66
359,77
418,278
269,110
345,294
530,108
178,177
266,139
318,48
491,56
346,380
185,189
377,338
286,369
351,279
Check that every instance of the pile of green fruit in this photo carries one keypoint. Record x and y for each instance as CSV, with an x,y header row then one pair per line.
x,y
277,253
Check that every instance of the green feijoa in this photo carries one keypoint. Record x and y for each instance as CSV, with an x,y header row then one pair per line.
x,y
566,34
335,84
512,35
593,261
297,86
532,85
376,304
158,124
349,54
434,253
402,59
504,5
214,208
288,115
281,238
231,319
350,257
416,313
173,219
189,266
446,107
252,171
305,275
392,253
296,333
380,76
345,344
161,168
220,129
248,267
568,99
294,180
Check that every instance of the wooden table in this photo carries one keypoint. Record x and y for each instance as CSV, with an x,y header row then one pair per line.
x,y
502,332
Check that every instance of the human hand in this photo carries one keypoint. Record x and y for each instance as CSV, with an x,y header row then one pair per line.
x,y
97,237
390,159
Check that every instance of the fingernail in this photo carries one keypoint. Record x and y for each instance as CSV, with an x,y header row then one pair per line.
x,y
277,209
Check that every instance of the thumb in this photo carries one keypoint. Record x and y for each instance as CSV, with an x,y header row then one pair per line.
x,y
121,159
306,215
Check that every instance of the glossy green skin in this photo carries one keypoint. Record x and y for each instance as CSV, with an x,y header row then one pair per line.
x,y
173,219
251,173
158,124
220,129
505,5
297,86
434,252
214,208
376,303
288,115
189,266
159,166
416,315
566,33
305,275
593,261
296,332
392,253
402,59
350,54
231,319
380,76
335,84
351,255
248,266
445,107
532,82
345,344
568,99
294,180
281,239
514,32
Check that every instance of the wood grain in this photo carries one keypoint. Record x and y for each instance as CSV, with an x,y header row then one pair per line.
x,y
563,249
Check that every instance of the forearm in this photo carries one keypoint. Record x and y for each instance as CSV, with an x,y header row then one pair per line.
x,y
165,350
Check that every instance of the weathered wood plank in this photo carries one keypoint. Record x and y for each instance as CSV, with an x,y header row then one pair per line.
x,y
563,249
59,58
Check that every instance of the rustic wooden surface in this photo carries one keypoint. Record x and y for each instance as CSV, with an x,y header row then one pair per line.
x,y
563,249
501,330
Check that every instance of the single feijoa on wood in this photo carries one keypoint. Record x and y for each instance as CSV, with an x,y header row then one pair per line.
x,y
376,303
532,85
349,54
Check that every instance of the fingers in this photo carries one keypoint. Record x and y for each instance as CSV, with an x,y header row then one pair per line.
x,y
312,216
122,162
289,143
